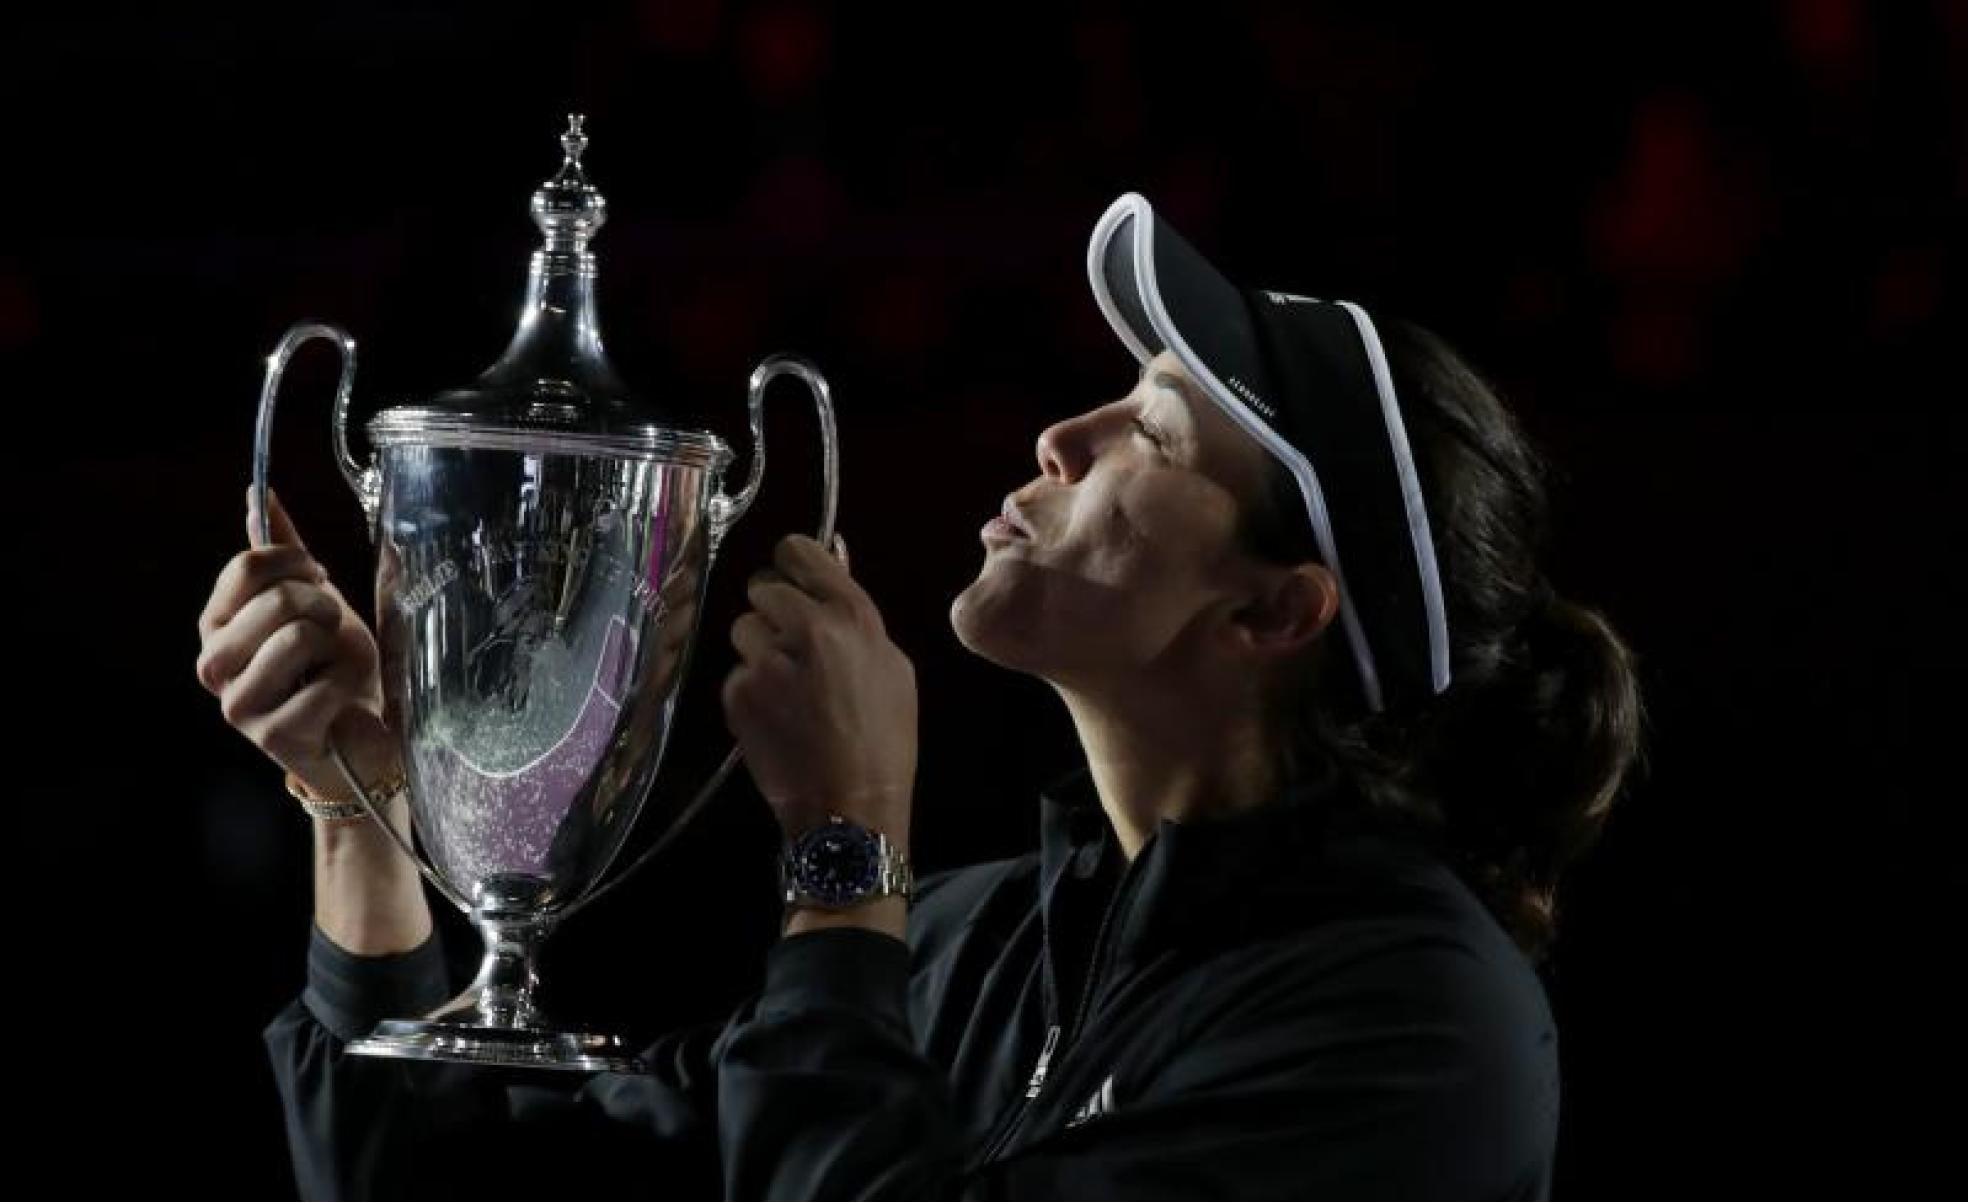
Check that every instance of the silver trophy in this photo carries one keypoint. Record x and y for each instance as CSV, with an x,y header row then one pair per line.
x,y
543,544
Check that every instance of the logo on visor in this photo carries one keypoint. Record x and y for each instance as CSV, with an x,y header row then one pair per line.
x,y
1286,298
1243,390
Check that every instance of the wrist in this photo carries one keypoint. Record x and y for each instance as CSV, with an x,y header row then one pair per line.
x,y
340,840
889,915
383,781
844,865
389,929
368,896
372,752
884,817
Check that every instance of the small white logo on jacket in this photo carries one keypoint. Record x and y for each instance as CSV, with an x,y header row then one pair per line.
x,y
1102,1102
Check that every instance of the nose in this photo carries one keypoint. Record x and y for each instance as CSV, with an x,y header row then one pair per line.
x,y
1066,448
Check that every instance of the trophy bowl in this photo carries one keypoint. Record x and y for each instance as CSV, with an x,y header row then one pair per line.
x,y
544,540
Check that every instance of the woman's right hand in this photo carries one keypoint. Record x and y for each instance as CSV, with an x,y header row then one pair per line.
x,y
291,662
294,666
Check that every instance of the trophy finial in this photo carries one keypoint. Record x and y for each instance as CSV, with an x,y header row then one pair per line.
x,y
567,208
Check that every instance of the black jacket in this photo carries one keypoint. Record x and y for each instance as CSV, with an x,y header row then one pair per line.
x,y
1268,1005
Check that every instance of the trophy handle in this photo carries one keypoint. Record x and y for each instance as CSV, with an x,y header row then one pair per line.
x,y
726,510
367,491
724,513
276,366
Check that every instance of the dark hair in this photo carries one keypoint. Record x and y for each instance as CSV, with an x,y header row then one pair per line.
x,y
1510,773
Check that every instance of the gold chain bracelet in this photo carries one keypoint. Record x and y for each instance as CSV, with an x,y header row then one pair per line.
x,y
324,809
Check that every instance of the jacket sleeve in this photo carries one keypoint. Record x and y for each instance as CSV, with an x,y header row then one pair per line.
x,y
1388,1078
366,1128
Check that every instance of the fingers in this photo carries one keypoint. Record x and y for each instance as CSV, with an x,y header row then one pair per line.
x,y
817,573
297,731
785,607
230,647
275,672
284,532
823,577
250,573
321,714
760,681
757,643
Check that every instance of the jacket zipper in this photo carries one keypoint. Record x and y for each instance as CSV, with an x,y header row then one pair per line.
x,y
1045,1061
1046,1053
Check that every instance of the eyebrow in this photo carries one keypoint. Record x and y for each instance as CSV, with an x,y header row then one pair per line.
x,y
1175,384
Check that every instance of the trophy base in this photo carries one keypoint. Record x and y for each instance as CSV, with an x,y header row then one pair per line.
x,y
510,1047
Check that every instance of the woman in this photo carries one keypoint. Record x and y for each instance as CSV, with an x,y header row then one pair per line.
x,y
1280,936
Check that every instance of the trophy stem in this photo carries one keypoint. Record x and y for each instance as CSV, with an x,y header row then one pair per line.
x,y
503,991
496,1020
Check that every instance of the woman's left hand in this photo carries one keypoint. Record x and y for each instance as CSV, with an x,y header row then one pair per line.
x,y
822,703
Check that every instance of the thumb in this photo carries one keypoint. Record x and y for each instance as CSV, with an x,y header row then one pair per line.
x,y
281,525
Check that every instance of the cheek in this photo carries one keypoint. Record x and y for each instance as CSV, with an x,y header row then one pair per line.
x,y
1157,536
1125,577
1148,557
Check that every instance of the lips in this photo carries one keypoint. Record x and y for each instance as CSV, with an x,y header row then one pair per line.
x,y
1008,527
1015,519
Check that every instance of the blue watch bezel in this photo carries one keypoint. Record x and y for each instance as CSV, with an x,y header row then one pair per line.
x,y
836,837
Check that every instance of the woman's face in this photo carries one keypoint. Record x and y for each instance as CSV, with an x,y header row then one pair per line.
x,y
1125,556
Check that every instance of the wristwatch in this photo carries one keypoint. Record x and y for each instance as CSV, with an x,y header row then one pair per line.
x,y
840,864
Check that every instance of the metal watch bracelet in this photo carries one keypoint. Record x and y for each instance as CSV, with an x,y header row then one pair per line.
x,y
896,879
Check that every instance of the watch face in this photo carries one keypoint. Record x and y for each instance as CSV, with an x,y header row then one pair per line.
x,y
837,863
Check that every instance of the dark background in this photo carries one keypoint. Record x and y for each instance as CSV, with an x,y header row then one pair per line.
x,y
1712,252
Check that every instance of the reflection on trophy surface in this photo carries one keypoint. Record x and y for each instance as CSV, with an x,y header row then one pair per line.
x,y
544,539
518,653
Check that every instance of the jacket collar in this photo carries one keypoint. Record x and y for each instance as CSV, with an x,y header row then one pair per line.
x,y
1307,855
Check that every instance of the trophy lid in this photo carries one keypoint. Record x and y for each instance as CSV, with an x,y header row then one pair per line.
x,y
554,386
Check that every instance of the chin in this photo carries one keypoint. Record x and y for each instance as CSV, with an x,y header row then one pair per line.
x,y
986,618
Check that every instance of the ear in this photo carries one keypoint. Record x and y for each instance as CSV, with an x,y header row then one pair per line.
x,y
1286,609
